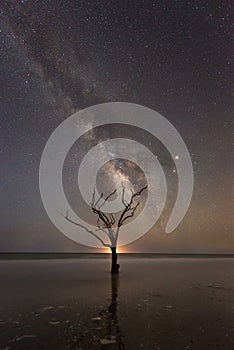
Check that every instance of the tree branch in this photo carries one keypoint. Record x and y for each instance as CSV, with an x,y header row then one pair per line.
x,y
128,206
86,229
111,194
108,220
130,215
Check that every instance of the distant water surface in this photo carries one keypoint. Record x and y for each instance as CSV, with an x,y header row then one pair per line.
x,y
42,255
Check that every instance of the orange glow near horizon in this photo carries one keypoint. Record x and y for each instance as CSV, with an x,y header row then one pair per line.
x,y
119,250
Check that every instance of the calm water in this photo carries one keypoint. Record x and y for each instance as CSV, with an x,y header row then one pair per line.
x,y
156,302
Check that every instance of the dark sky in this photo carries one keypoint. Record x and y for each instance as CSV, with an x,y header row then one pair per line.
x,y
57,57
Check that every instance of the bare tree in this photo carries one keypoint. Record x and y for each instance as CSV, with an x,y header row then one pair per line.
x,y
108,223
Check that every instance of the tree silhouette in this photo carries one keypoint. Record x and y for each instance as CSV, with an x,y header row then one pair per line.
x,y
108,223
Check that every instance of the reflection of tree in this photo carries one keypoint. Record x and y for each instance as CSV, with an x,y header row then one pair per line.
x,y
111,316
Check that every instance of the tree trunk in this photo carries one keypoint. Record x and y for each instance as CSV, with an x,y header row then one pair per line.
x,y
114,266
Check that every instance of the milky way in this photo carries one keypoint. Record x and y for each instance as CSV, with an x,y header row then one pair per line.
x,y
172,56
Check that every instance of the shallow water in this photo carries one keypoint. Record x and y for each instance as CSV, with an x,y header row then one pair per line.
x,y
166,303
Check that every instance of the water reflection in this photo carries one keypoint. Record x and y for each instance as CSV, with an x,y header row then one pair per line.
x,y
112,328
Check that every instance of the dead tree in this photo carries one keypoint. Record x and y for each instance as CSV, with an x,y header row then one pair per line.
x,y
108,223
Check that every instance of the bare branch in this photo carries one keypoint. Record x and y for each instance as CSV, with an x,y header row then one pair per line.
x,y
99,227
137,194
105,221
102,216
108,221
128,207
132,213
112,219
86,229
95,204
106,199
111,194
103,230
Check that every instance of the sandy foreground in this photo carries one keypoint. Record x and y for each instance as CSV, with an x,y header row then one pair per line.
x,y
164,304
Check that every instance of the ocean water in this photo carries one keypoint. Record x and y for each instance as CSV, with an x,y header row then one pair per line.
x,y
62,255
71,301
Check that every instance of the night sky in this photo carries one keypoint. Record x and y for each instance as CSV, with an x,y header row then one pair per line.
x,y
57,57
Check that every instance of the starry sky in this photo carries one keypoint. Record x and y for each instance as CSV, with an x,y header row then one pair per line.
x,y
58,57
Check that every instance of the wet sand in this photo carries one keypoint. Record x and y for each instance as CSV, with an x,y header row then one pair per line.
x,y
154,303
